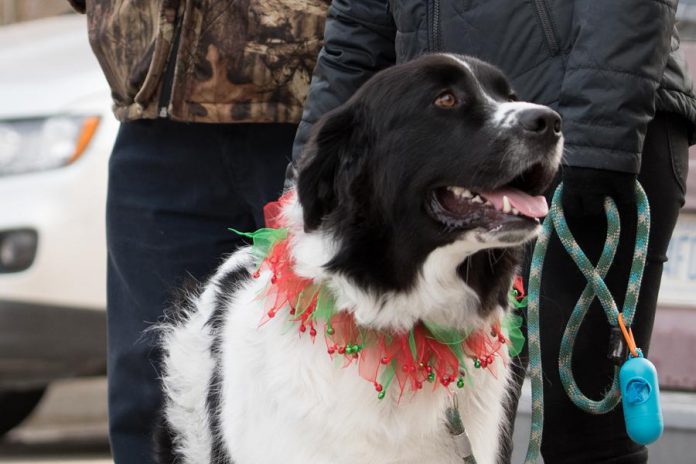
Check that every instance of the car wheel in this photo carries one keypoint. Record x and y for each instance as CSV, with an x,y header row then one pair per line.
x,y
16,406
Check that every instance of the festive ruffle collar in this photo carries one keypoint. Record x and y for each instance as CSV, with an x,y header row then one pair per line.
x,y
426,354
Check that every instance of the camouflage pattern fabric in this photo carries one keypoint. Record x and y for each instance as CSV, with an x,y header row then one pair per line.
x,y
235,61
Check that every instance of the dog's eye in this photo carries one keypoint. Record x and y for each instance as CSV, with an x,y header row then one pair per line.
x,y
512,97
446,100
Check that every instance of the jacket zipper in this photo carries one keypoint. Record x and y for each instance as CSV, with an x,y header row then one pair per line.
x,y
545,17
168,78
435,35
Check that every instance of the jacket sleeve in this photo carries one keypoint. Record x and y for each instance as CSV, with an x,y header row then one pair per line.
x,y
358,42
615,63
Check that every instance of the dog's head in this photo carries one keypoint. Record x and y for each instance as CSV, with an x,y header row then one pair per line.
x,y
435,154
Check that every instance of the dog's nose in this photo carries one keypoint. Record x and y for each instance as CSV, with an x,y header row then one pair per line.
x,y
540,121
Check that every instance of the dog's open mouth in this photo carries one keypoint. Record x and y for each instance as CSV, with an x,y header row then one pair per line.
x,y
508,205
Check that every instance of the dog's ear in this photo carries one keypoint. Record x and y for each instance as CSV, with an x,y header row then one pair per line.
x,y
331,150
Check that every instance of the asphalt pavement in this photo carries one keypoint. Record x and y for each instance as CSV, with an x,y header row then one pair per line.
x,y
68,427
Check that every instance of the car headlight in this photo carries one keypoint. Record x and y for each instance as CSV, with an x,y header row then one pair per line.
x,y
30,145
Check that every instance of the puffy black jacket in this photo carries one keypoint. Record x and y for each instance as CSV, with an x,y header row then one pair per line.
x,y
605,65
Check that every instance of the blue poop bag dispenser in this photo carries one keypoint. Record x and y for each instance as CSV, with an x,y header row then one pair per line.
x,y
640,397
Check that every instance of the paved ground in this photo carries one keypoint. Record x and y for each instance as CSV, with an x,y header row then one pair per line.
x,y
69,427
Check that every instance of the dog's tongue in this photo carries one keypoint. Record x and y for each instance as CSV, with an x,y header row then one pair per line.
x,y
527,205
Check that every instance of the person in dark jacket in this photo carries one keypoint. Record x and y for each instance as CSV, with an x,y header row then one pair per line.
x,y
614,71
209,95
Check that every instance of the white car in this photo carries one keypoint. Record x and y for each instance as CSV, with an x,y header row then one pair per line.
x,y
56,133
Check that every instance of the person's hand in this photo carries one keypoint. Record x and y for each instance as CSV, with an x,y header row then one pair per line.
x,y
584,190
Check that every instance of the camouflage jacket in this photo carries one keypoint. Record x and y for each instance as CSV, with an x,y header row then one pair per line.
x,y
207,60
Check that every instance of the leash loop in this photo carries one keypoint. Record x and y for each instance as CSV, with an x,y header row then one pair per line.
x,y
594,288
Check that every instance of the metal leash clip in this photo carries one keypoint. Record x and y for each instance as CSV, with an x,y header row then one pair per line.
x,y
462,445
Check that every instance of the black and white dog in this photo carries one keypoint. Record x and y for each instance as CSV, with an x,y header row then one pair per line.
x,y
412,200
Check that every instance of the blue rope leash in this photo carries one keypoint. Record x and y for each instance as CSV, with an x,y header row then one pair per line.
x,y
594,288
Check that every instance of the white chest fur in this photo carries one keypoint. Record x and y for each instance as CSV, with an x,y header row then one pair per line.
x,y
285,400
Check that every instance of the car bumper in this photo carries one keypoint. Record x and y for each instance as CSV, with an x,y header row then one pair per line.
x,y
40,343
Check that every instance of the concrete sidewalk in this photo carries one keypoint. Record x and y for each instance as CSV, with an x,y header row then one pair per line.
x,y
68,427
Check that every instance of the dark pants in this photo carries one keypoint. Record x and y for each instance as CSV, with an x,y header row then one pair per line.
x,y
174,189
570,435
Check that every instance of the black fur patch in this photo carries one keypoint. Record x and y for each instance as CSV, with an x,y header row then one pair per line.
x,y
218,453
163,443
489,273
227,285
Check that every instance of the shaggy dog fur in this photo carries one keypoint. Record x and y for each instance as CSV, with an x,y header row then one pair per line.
x,y
387,215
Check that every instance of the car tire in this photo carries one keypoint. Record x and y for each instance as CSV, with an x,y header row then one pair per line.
x,y
16,406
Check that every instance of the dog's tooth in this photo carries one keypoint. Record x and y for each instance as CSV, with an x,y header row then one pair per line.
x,y
515,211
458,191
507,208
477,199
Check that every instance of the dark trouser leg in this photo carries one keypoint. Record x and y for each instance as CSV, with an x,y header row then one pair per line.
x,y
570,435
174,189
